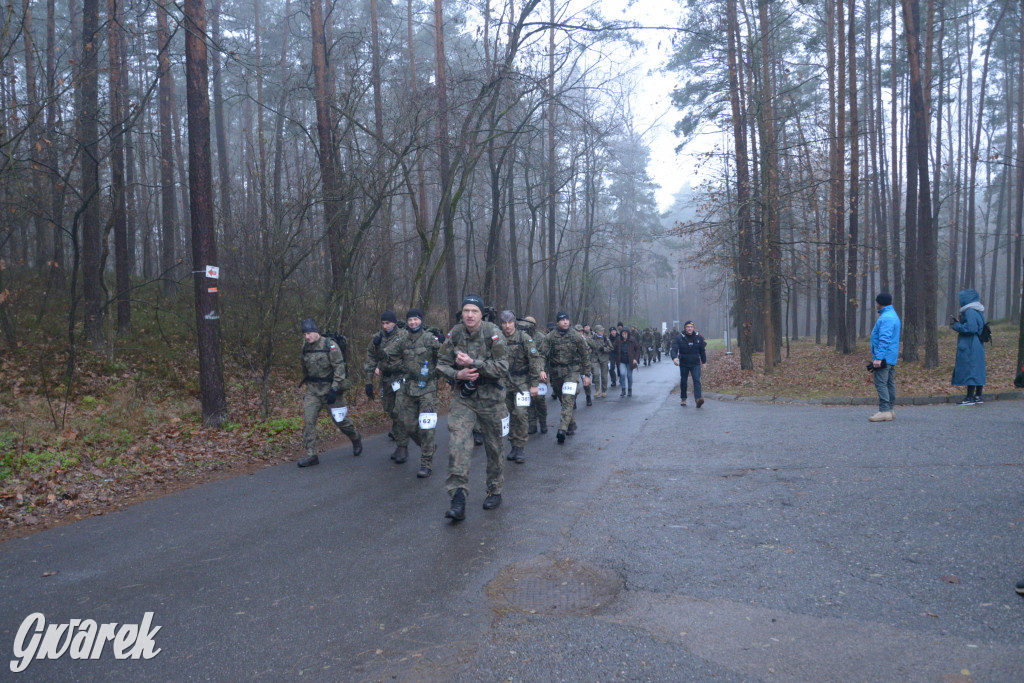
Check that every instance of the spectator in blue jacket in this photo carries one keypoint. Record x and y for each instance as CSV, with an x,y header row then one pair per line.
x,y
969,370
885,354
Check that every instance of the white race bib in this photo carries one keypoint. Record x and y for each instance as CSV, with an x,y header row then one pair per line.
x,y
542,390
569,388
396,385
522,398
505,422
428,420
339,414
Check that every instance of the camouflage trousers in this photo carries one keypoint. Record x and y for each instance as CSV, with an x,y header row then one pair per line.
x,y
311,405
517,434
409,409
463,416
568,402
538,410
389,399
599,375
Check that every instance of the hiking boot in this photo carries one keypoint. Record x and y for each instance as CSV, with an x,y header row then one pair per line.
x,y
520,456
623,391
357,446
881,417
401,454
391,435
423,473
457,511
589,402
700,402
560,436
571,430
309,461
532,429
492,501
511,454
544,428
683,403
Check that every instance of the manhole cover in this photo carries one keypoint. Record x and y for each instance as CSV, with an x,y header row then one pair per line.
x,y
546,586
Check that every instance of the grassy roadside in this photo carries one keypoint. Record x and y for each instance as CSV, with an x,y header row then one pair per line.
x,y
818,371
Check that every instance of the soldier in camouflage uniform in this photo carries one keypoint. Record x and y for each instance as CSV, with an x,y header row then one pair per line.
x,y
538,411
613,370
657,344
584,331
323,369
647,345
524,368
475,357
413,356
567,357
388,379
599,350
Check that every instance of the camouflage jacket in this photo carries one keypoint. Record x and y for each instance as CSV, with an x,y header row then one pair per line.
x,y
375,356
487,348
567,354
599,348
404,356
524,361
646,339
323,365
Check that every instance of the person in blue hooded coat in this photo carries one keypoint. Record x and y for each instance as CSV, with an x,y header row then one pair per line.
x,y
969,370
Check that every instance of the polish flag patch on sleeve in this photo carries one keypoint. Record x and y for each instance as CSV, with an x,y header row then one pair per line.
x,y
494,338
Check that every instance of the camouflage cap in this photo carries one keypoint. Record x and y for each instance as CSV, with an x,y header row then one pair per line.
x,y
530,319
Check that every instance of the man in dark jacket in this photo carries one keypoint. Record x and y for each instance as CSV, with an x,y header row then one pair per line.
x,y
688,353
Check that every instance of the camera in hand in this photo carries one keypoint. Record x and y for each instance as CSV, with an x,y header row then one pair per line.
x,y
467,388
872,368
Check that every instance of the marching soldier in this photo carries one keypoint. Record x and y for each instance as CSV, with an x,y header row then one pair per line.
x,y
390,382
324,375
413,356
524,371
538,409
567,357
475,357
600,348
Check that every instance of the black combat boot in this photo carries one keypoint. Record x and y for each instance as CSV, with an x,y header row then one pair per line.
x,y
511,454
560,436
532,429
520,457
492,501
401,454
457,512
424,472
571,430
589,402
357,446
478,438
309,461
543,427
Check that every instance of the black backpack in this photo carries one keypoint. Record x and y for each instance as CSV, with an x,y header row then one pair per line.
x,y
985,336
342,342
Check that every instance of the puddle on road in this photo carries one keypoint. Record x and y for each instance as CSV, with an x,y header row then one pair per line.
x,y
551,587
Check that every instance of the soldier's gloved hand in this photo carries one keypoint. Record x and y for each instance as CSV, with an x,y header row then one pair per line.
x,y
369,390
332,396
376,340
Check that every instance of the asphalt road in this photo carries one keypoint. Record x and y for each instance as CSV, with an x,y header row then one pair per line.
x,y
738,542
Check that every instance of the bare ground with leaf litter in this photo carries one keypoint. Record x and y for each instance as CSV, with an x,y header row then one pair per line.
x,y
130,428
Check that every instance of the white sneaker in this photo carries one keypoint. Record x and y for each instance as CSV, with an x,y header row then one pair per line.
x,y
881,417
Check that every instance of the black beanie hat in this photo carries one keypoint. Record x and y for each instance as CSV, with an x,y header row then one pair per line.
x,y
474,300
388,317
309,325
414,313
884,299
562,315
